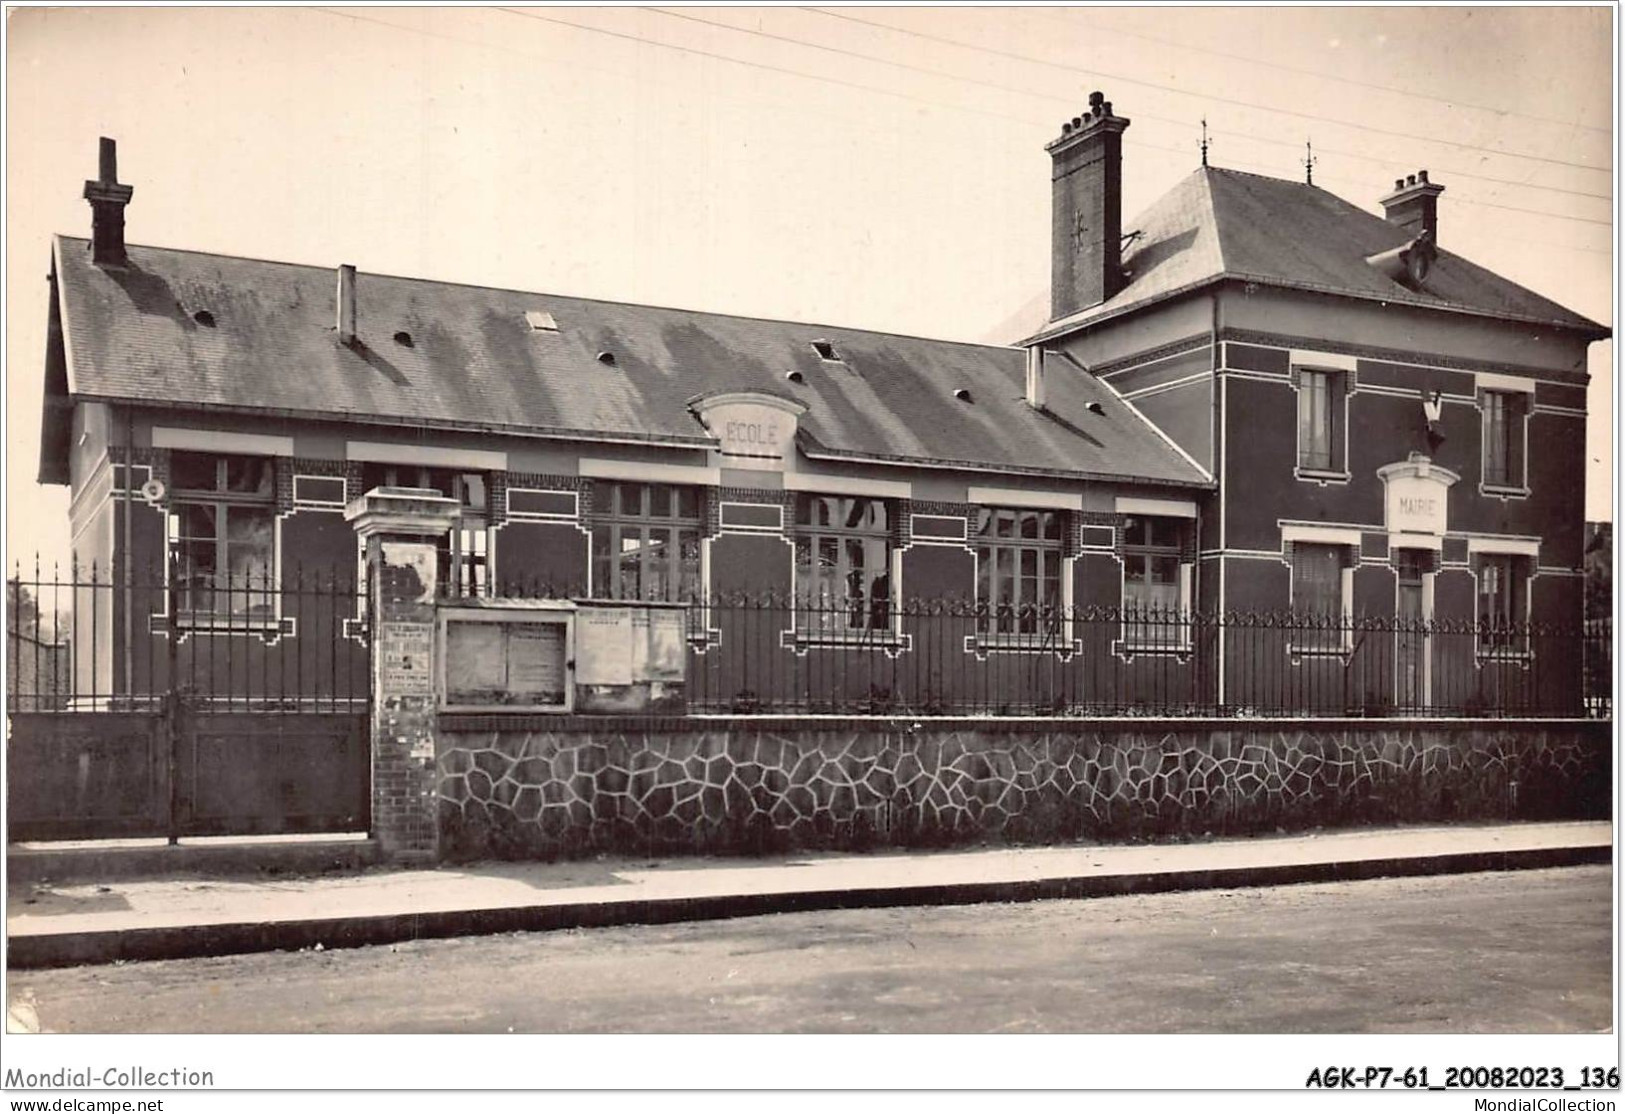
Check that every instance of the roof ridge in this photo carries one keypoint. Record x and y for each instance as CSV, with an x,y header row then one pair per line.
x,y
1212,215
571,297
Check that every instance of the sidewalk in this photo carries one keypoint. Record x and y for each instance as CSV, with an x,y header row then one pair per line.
x,y
54,925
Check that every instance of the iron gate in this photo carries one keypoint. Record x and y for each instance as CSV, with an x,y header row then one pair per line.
x,y
130,716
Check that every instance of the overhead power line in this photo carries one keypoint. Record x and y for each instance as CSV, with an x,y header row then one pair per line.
x,y
1452,102
1014,55
526,13
788,71
952,76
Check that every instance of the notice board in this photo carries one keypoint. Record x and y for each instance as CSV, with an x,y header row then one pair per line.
x,y
625,645
507,660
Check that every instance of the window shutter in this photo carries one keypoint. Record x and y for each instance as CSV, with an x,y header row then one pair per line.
x,y
1334,421
1517,413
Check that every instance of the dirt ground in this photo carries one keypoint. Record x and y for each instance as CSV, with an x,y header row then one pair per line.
x,y
1527,951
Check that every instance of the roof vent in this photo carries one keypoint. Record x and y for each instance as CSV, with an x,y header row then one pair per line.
x,y
962,394
607,359
826,351
540,321
1096,408
404,339
794,376
204,317
346,304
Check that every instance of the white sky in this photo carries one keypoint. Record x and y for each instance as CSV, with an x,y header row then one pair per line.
x,y
886,179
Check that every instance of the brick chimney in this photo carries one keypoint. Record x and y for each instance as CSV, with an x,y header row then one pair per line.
x,y
1414,205
1086,249
107,200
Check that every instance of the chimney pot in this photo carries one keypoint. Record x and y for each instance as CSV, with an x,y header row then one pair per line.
x,y
346,304
1422,176
107,162
1410,180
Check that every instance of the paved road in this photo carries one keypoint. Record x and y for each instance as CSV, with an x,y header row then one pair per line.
x,y
1519,952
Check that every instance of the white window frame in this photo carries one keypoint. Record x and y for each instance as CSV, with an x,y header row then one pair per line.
x,y
1322,363
1528,551
1060,641
1486,384
616,520
1146,508
892,639
1292,535
268,626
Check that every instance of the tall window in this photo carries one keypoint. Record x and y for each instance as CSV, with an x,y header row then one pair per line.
x,y
843,564
1504,416
1503,602
222,517
1318,604
646,542
1153,581
1320,420
465,558
1018,571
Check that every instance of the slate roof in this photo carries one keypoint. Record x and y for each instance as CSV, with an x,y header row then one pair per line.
x,y
474,363
1227,224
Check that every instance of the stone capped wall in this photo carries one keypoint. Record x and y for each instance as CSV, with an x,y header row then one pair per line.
x,y
539,788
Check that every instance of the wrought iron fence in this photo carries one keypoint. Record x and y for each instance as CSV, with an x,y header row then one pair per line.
x,y
767,655
87,640
1599,667
94,639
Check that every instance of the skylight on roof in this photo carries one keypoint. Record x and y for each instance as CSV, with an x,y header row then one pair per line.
x,y
540,321
826,351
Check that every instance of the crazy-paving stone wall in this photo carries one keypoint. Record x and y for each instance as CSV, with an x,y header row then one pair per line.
x,y
529,790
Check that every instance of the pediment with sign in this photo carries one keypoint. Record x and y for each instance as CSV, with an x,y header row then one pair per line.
x,y
1417,496
754,429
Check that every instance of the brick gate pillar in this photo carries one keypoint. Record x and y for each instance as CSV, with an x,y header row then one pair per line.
x,y
399,527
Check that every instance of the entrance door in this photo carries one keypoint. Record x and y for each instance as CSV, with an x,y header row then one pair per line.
x,y
1410,636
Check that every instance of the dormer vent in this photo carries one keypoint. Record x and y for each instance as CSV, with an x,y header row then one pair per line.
x,y
826,351
963,395
795,376
607,359
205,318
1096,408
540,321
404,339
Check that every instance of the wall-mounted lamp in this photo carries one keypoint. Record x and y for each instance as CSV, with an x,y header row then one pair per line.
x,y
1432,406
1432,410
